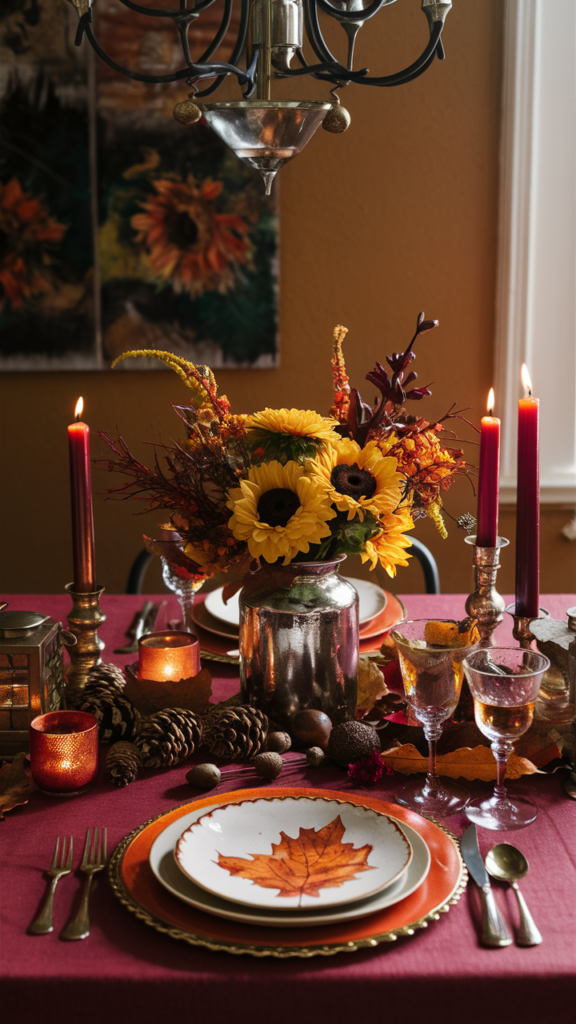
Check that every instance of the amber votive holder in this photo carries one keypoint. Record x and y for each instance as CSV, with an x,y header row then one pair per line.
x,y
64,752
169,655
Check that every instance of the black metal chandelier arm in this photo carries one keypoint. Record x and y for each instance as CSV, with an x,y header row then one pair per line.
x,y
224,26
362,15
333,68
155,12
236,52
314,34
413,71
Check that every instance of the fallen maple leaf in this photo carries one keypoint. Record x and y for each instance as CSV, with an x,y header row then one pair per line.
x,y
371,685
467,762
15,786
301,867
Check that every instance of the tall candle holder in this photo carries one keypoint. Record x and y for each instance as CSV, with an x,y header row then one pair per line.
x,y
485,604
84,620
521,629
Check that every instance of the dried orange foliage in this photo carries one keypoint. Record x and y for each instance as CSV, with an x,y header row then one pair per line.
x,y
301,867
371,685
467,763
15,786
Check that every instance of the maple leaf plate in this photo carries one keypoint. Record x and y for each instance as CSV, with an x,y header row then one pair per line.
x,y
296,853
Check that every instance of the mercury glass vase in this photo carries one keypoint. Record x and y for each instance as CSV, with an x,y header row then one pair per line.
x,y
299,642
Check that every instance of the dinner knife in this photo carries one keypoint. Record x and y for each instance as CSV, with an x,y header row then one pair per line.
x,y
494,931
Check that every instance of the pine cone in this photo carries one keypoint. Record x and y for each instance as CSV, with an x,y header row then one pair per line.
x,y
236,733
107,675
117,717
122,763
168,737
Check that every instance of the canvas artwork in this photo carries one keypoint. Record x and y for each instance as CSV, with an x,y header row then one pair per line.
x,y
120,228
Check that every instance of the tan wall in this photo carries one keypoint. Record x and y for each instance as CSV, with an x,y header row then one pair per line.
x,y
397,215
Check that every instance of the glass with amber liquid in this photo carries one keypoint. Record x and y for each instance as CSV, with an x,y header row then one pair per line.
x,y
504,682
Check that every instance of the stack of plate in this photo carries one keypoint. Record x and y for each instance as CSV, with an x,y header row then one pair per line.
x,y
219,624
289,861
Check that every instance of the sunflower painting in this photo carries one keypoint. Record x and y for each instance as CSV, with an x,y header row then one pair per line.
x,y
120,228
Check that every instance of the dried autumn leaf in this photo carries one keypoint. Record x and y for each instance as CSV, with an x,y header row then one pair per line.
x,y
148,695
15,786
371,685
301,867
466,762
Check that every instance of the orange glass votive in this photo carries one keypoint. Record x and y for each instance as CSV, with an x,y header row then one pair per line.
x,y
64,752
169,655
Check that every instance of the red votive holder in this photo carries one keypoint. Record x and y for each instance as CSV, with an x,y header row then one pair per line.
x,y
169,655
64,752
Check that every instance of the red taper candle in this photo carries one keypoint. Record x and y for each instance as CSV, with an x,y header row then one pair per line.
x,y
487,530
81,494
528,506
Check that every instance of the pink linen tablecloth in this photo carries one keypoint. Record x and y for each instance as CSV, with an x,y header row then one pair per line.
x,y
126,972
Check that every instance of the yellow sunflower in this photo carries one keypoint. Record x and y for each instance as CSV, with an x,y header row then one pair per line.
x,y
388,546
358,479
279,511
296,422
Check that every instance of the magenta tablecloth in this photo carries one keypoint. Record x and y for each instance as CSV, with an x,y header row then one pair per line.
x,y
125,971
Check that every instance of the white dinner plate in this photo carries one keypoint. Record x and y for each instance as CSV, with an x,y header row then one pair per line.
x,y
202,617
371,599
293,853
167,872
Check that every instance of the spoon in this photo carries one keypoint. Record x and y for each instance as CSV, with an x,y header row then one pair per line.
x,y
507,864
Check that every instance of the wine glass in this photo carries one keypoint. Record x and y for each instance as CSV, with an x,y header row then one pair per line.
x,y
184,590
504,682
432,678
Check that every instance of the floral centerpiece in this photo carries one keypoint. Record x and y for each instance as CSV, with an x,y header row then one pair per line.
x,y
291,485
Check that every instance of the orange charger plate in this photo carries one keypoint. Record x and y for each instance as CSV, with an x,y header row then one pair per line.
x,y
133,882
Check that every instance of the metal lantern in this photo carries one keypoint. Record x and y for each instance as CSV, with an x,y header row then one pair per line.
x,y
32,678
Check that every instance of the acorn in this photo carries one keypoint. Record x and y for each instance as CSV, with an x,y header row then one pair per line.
x,y
187,112
337,120
268,765
204,776
312,728
279,742
315,757
351,742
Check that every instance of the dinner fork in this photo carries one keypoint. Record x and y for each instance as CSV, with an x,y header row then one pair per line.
x,y
43,923
94,859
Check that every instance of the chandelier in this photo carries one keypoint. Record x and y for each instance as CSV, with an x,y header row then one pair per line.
x,y
263,132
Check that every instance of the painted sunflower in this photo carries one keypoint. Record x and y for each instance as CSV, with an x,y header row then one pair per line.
x,y
279,511
188,243
388,546
358,479
28,234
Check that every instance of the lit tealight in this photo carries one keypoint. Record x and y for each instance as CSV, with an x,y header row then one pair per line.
x,y
169,655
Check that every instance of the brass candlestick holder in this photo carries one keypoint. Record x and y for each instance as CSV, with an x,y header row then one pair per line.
x,y
521,630
84,620
486,604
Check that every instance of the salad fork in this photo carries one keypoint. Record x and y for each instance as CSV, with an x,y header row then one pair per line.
x,y
94,859
43,923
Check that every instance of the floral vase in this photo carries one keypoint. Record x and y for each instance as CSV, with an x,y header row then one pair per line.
x,y
299,642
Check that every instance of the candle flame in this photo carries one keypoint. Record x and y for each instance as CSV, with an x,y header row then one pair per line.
x,y
526,382
490,401
79,408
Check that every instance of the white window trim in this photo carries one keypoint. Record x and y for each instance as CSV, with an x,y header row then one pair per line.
x,y
536,286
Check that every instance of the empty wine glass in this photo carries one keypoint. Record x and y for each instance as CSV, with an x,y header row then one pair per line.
x,y
504,682
432,678
184,590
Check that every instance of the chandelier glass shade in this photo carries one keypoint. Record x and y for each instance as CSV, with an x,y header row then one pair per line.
x,y
263,132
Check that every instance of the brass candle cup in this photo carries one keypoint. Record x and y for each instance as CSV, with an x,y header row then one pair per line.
x,y
521,630
169,655
64,752
486,604
83,622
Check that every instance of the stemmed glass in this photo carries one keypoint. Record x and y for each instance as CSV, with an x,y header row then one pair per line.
x,y
504,682
184,590
432,678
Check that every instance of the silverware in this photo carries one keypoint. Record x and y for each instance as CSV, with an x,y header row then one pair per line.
x,y
43,923
230,659
94,859
494,931
507,864
144,623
